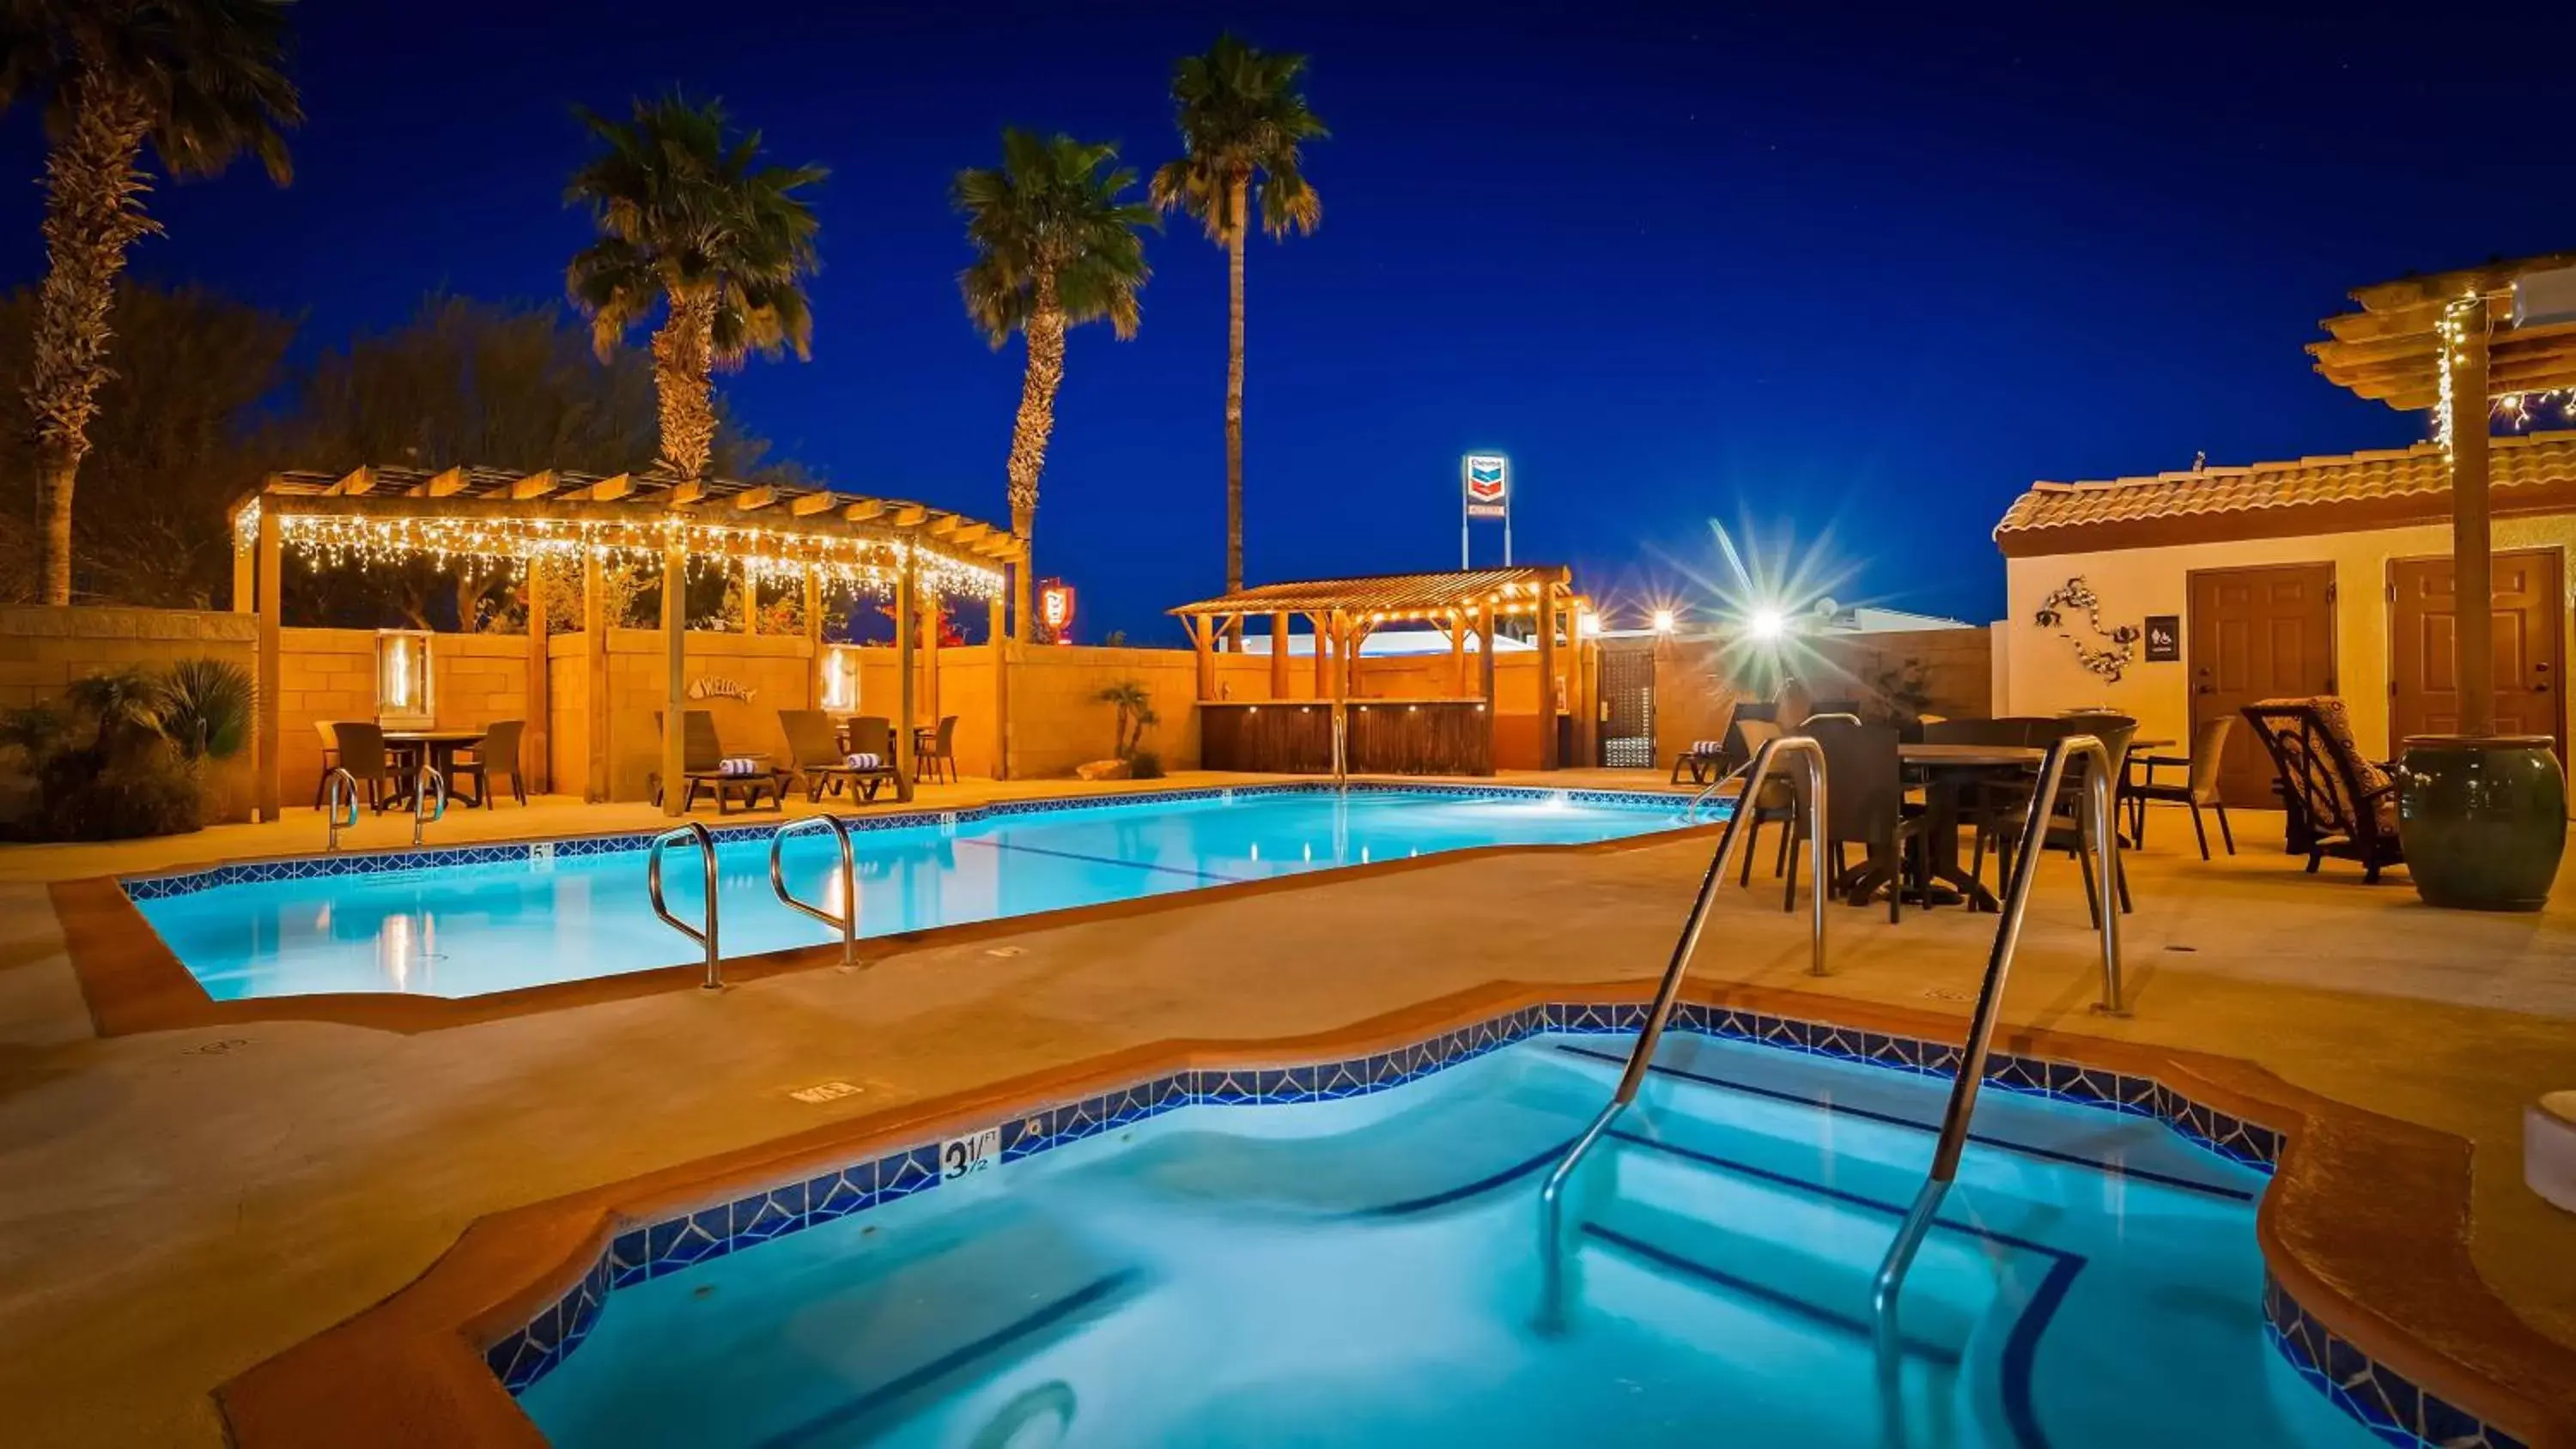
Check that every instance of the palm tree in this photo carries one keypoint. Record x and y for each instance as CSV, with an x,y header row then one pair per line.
x,y
1241,116
1054,246
689,219
200,82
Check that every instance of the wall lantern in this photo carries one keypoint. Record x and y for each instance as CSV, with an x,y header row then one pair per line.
x,y
840,677
403,698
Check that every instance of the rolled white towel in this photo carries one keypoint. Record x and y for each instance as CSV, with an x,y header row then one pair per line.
x,y
864,762
1707,747
739,765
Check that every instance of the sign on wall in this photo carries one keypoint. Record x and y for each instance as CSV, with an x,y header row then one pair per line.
x,y
1055,608
2164,638
1485,488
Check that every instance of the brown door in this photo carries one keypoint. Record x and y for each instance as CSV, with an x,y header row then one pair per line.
x,y
2258,634
2423,665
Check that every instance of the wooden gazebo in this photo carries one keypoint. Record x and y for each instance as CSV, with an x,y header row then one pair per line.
x,y
888,547
2455,342
1431,716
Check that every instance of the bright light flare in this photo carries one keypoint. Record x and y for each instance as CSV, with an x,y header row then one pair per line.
x,y
1665,623
1767,624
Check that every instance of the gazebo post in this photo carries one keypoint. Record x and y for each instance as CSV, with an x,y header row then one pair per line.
x,y
1279,654
813,639
245,574
1485,656
1457,653
994,635
1019,601
1547,676
594,659
675,655
1323,655
905,585
1202,653
2472,574
271,666
537,745
750,599
931,620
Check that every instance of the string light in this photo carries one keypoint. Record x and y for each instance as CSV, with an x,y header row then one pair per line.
x,y
2453,330
855,565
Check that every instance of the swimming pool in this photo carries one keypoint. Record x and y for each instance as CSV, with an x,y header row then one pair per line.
x,y
482,919
1155,1268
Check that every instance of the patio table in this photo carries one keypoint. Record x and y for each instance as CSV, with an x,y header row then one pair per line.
x,y
440,746
1947,771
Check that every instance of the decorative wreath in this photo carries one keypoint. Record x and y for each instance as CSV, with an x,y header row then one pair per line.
x,y
2076,594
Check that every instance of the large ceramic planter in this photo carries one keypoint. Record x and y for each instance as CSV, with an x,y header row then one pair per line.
x,y
2483,820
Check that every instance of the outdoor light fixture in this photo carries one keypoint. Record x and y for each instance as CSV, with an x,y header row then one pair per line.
x,y
1768,624
1664,623
1587,625
840,678
402,677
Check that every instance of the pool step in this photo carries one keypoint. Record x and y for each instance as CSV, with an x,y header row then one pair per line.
x,y
1797,1247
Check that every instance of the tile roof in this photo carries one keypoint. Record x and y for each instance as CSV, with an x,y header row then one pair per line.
x,y
2418,473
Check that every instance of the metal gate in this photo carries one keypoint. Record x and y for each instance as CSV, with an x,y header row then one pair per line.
x,y
1628,703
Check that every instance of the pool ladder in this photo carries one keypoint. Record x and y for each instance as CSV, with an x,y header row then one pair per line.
x,y
847,922
339,805
1773,754
707,936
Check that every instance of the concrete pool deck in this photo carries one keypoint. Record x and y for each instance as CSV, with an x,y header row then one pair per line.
x,y
178,1206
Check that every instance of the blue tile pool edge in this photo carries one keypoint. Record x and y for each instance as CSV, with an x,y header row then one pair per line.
x,y
189,880
2381,1399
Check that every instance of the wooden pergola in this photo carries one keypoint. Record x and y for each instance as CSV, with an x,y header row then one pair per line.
x,y
890,547
1343,612
2455,342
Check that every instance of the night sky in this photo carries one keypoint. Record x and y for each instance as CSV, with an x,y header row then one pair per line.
x,y
1847,275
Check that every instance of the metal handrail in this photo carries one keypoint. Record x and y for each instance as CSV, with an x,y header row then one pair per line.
x,y
706,843
421,814
1690,814
339,787
847,922
2099,822
1549,1197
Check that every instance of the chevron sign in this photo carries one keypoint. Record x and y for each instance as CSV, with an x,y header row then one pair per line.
x,y
1487,478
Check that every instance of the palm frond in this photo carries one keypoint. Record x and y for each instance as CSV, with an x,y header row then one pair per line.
x,y
1053,215
1242,115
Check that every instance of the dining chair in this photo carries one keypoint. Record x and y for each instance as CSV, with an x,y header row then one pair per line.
x,y
2066,813
2198,787
1864,805
330,761
1770,802
364,755
941,752
497,754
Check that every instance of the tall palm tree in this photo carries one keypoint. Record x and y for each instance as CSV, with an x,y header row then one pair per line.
x,y
689,219
1054,246
1241,116
198,81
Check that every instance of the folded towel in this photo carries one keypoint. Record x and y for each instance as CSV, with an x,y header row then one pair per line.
x,y
1707,747
741,765
865,762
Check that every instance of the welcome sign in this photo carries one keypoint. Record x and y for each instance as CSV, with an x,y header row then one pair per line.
x,y
1488,481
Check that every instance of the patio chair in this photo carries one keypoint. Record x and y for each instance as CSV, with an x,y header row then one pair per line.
x,y
2340,804
704,765
497,755
1865,805
1773,803
2198,787
330,760
363,754
2065,830
815,757
940,752
1709,760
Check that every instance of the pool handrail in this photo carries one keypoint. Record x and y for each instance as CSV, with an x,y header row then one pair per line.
x,y
1812,755
709,937
2102,825
421,814
338,788
847,922
1690,815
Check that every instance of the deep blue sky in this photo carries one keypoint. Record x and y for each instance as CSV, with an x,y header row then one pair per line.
x,y
1821,268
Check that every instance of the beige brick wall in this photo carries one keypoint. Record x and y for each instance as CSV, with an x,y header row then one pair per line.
x,y
1697,682
42,650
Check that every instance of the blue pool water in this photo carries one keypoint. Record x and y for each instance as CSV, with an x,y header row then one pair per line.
x,y
464,930
1365,1272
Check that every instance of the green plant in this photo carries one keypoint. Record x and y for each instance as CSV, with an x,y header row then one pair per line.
x,y
151,794
37,729
1145,765
1135,715
205,708
124,704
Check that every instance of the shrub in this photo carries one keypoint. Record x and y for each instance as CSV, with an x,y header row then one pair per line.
x,y
152,794
205,708
1145,765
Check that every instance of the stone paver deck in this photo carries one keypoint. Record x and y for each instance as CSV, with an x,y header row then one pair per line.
x,y
177,1206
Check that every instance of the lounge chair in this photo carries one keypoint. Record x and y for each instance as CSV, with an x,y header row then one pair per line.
x,y
2340,804
704,765
815,757
2198,787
